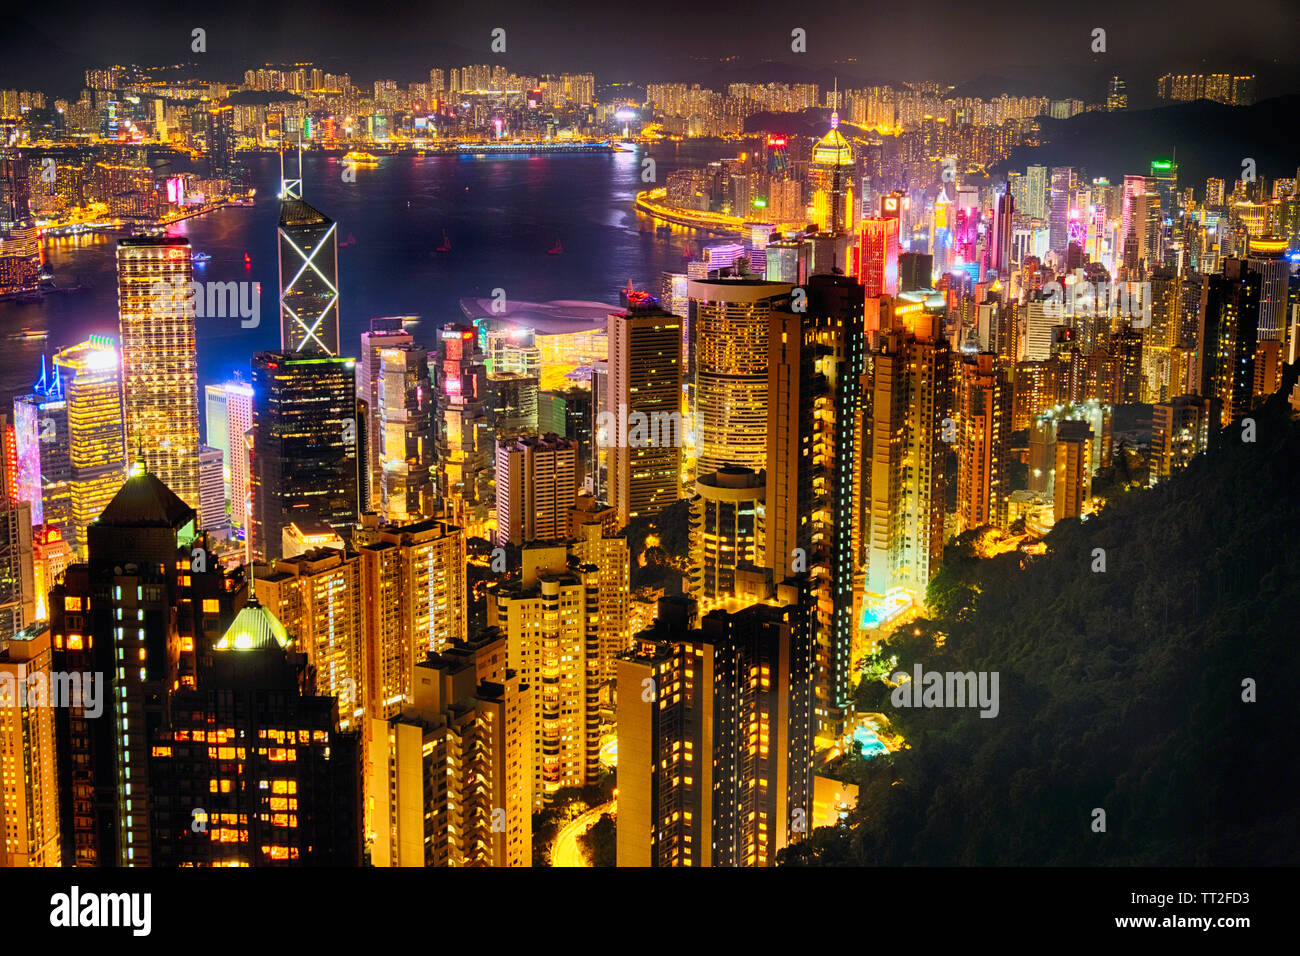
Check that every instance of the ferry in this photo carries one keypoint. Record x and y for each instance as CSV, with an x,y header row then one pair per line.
x,y
26,334
200,256
358,158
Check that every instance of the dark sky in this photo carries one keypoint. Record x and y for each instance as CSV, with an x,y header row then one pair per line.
x,y
1046,43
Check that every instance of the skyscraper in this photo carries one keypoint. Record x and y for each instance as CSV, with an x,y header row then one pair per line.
x,y
383,332
309,288
466,454
159,367
29,786
18,598
230,416
715,732
1073,483
731,325
1228,337
406,438
830,181
453,771
536,481
727,515
293,798
645,399
983,452
813,518
305,461
96,432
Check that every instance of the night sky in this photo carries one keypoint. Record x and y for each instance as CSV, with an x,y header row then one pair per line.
x,y
1043,46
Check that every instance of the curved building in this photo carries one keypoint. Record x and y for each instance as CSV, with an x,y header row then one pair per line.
x,y
730,319
727,525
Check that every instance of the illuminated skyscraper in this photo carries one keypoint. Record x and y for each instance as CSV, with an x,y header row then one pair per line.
x,y
813,519
317,597
715,735
550,617
309,270
406,439
29,786
731,325
878,256
1073,483
414,601
1228,338
910,395
160,392
295,798
43,476
212,496
536,480
383,333
727,515
453,775
983,442
92,389
830,181
230,416
18,599
305,461
466,455
644,403
1180,430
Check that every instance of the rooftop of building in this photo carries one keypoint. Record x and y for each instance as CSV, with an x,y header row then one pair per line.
x,y
144,501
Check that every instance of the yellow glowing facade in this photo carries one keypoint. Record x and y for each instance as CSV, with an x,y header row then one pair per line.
x,y
159,366
96,430
29,786
830,178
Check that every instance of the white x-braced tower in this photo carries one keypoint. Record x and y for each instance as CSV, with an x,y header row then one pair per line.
x,y
309,269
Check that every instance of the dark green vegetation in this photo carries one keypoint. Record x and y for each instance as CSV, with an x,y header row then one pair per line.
x,y
600,843
1119,690
666,562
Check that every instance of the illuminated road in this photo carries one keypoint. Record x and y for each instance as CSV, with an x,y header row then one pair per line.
x,y
567,851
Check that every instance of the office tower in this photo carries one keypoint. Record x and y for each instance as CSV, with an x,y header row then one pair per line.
x,y
569,412
915,272
788,260
221,141
230,416
406,444
1267,255
983,439
466,455
212,496
1064,184
317,597
1125,348
305,459
1073,483
644,444
730,412
878,257
96,435
727,516
830,182
1181,429
294,797
453,773
309,283
160,390
816,360
413,601
29,786
715,735
550,616
512,404
383,333
903,450
18,598
121,616
43,475
536,479
1041,318
1228,337
1000,243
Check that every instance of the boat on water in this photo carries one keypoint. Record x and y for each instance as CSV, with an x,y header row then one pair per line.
x,y
446,243
200,256
557,249
351,240
248,261
359,158
29,334
663,230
